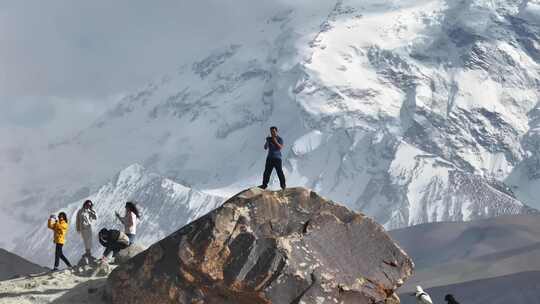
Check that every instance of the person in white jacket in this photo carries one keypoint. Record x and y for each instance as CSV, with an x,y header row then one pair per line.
x,y
421,296
85,218
130,221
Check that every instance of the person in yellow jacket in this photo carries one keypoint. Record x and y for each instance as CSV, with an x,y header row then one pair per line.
x,y
60,228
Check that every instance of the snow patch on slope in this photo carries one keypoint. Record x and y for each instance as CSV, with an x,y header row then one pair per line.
x,y
308,142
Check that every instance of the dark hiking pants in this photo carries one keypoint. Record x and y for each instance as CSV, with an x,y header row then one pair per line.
x,y
58,254
273,163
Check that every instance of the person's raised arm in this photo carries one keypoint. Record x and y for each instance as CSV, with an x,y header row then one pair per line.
x,y
119,217
92,213
278,143
51,222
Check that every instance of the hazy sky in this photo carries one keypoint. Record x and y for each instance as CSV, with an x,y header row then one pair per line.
x,y
90,48
73,58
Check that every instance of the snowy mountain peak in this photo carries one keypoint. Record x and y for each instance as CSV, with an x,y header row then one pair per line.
x,y
395,108
131,174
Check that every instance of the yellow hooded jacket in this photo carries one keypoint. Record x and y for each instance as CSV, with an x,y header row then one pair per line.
x,y
60,230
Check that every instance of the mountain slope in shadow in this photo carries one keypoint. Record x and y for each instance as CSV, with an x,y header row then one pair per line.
x,y
454,253
519,288
12,266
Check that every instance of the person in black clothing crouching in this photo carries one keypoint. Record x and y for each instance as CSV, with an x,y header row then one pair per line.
x,y
113,240
273,144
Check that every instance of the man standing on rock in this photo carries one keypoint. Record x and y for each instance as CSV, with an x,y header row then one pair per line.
x,y
273,144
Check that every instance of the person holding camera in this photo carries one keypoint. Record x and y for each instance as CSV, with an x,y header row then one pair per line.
x,y
274,145
59,228
130,220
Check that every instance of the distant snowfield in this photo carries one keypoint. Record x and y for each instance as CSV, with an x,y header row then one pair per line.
x,y
410,111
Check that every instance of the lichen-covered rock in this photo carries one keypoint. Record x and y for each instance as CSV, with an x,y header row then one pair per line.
x,y
268,247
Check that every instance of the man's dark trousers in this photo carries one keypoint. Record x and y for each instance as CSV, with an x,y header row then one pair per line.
x,y
272,163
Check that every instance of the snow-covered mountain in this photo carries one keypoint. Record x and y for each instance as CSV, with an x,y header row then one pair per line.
x,y
411,111
165,207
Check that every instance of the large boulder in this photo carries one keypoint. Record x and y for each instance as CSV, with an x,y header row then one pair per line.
x,y
268,247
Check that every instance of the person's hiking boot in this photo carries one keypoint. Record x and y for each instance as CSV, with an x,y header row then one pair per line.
x,y
84,260
263,187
